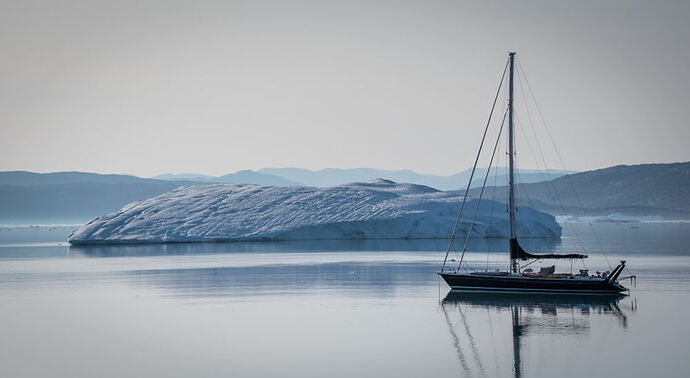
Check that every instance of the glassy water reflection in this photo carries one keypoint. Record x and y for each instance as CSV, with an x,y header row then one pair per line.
x,y
531,315
337,309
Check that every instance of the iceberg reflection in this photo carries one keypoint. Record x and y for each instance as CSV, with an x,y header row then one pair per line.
x,y
479,245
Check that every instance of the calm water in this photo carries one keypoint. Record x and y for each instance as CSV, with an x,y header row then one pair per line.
x,y
337,309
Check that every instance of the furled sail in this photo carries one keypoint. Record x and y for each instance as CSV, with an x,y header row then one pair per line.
x,y
516,252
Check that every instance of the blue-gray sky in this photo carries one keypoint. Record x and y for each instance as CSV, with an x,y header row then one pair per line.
x,y
147,87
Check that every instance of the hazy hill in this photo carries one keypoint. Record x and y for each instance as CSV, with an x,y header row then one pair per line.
x,y
256,178
76,197
333,176
183,177
71,197
646,189
239,177
24,178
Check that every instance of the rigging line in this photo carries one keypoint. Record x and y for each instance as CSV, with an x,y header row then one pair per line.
x,y
456,252
548,184
493,342
550,191
543,163
456,342
629,271
479,200
476,160
518,188
529,263
522,193
577,197
572,228
550,187
493,207
473,344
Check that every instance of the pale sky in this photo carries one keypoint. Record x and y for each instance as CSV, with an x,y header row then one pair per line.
x,y
147,87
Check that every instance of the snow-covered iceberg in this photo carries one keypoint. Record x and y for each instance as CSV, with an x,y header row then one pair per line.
x,y
379,209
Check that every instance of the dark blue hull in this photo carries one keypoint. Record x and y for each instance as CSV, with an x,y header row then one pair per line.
x,y
511,283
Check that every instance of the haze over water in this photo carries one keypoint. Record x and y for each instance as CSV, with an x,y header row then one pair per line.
x,y
332,308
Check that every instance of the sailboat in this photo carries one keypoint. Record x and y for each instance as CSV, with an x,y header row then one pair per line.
x,y
515,279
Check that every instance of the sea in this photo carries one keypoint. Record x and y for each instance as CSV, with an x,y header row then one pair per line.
x,y
358,308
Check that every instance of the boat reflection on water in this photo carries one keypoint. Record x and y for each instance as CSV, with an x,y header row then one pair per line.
x,y
541,315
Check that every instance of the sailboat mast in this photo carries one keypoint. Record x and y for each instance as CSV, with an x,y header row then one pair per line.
x,y
511,155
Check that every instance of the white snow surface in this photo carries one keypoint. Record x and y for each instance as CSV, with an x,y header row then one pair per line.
x,y
378,209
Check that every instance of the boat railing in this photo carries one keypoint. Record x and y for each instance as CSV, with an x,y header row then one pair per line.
x,y
632,278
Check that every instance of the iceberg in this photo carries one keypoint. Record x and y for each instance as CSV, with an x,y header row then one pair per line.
x,y
379,209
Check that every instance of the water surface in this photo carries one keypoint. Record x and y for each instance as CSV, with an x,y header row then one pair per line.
x,y
334,308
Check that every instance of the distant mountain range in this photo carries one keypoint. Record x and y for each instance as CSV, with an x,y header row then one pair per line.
x,y
76,197
636,190
239,177
334,176
71,197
